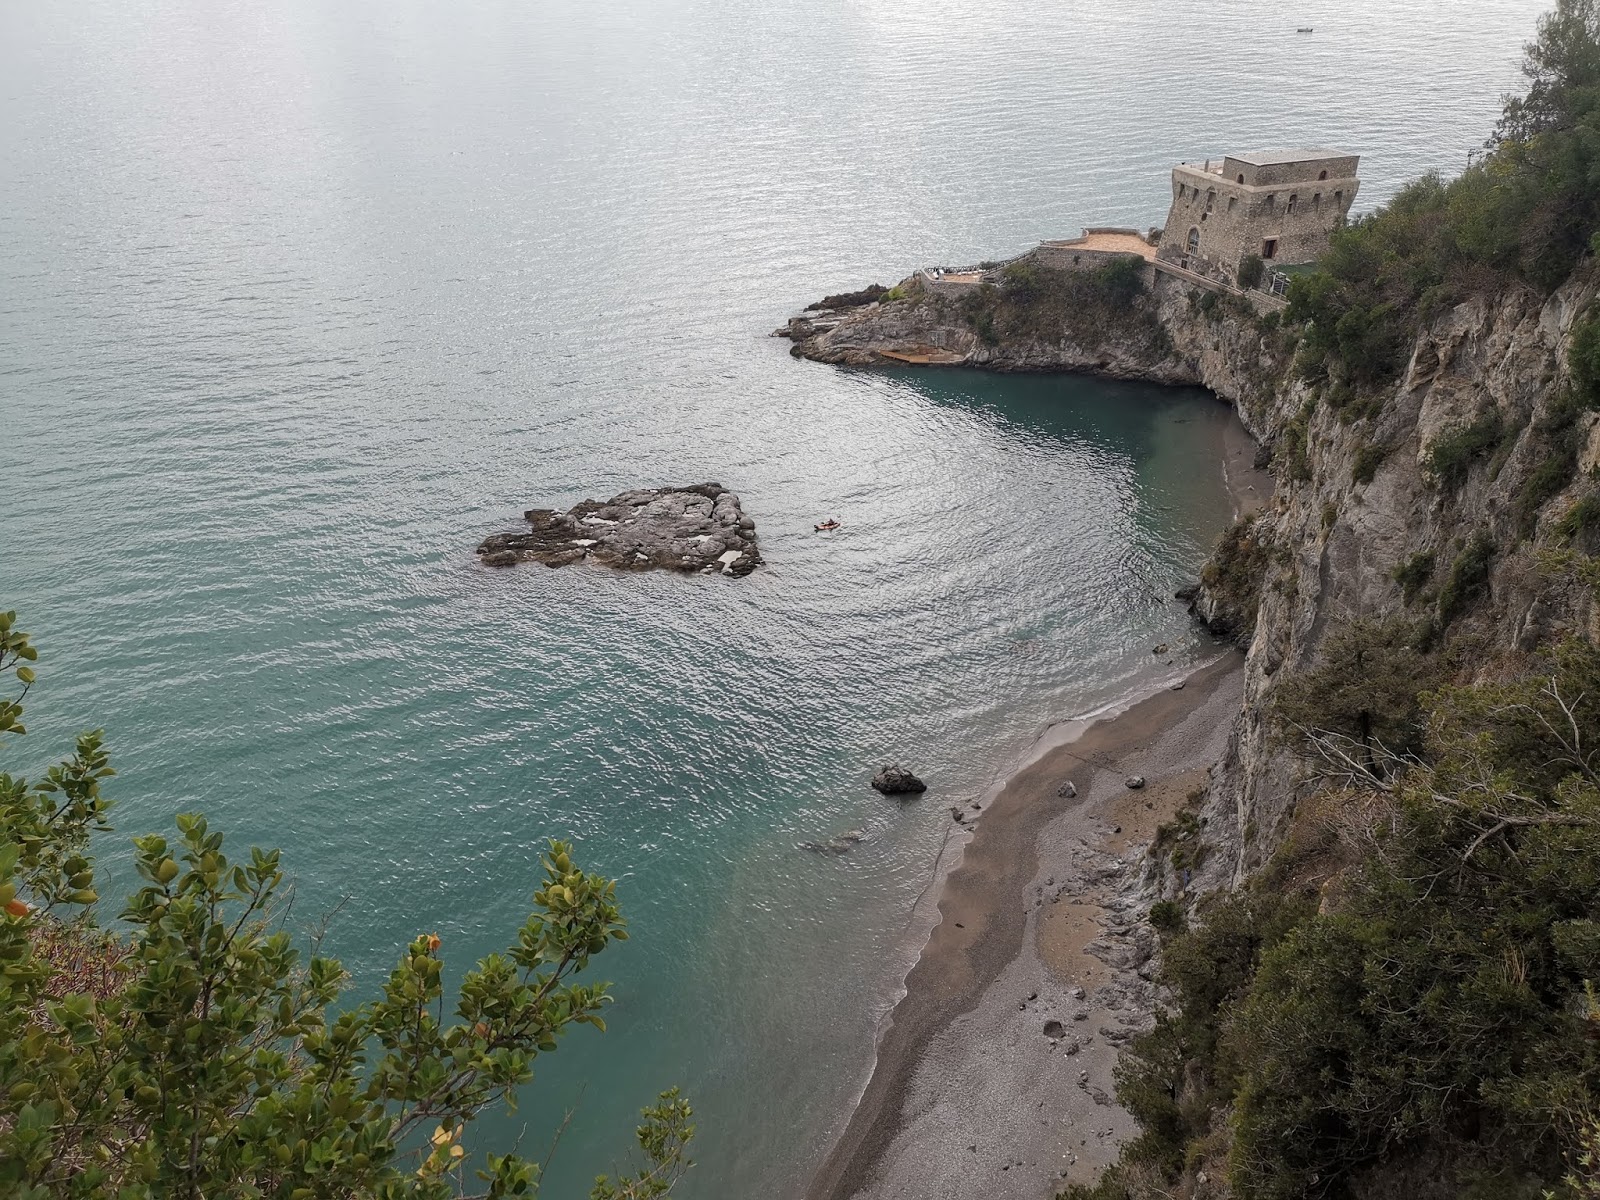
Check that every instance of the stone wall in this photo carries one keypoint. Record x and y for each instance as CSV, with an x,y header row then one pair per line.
x,y
1290,208
1066,257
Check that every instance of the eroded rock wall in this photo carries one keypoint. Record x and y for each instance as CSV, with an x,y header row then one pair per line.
x,y
1355,499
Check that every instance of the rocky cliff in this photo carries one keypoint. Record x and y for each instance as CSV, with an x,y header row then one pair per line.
x,y
1438,497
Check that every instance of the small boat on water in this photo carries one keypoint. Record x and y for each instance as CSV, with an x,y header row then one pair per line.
x,y
1305,29
827,526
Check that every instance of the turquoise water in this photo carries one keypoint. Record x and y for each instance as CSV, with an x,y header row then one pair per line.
x,y
298,300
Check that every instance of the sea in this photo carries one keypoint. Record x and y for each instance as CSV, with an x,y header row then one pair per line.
x,y
301,298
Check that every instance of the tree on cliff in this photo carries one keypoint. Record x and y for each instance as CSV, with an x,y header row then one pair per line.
x,y
1523,213
196,1053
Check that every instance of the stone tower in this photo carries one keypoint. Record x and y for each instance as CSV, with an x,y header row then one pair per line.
x,y
1280,204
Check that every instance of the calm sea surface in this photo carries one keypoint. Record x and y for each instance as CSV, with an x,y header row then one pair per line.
x,y
298,300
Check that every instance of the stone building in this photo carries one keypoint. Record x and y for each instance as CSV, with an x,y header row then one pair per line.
x,y
1279,204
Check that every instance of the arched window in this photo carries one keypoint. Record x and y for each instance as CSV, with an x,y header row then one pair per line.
x,y
1316,200
1272,201
1292,198
1322,174
1241,179
1194,240
1211,199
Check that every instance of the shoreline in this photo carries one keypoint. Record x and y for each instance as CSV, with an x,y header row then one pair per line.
x,y
992,923
993,951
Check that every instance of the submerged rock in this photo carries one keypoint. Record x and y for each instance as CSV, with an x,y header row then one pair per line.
x,y
897,781
840,843
699,528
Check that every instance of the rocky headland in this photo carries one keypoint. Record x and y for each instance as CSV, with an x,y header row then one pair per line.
x,y
698,529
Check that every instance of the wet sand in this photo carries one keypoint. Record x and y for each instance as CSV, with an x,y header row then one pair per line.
x,y
969,1096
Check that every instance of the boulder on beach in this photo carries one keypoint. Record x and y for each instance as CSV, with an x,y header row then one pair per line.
x,y
895,780
1134,782
696,529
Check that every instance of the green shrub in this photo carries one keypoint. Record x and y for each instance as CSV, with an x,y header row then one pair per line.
x,y
1469,575
1364,468
1365,685
1547,480
193,1051
1235,573
1166,916
1413,574
1251,270
1583,357
1121,281
1579,519
1451,456
1295,444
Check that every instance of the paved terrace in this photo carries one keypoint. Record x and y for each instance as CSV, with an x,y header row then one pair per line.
x,y
1110,241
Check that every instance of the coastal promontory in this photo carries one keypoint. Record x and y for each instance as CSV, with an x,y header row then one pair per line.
x,y
699,528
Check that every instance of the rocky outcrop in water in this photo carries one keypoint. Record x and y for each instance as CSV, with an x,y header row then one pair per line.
x,y
696,529
897,781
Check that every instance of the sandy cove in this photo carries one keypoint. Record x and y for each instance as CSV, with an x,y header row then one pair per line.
x,y
975,1093
969,1097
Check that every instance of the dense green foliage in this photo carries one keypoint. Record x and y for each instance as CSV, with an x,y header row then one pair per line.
x,y
195,1052
1035,301
1235,575
1364,687
1442,1009
1468,577
1451,455
1524,212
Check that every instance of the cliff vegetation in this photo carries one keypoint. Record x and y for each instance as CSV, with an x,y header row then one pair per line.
x,y
1391,987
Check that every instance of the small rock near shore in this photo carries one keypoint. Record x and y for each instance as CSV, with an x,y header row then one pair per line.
x,y
895,780
1067,790
1134,782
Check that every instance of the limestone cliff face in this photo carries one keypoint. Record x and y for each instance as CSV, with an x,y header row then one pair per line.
x,y
1356,496
1335,539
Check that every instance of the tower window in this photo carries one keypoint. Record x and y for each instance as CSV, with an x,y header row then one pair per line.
x,y
1194,240
1211,199
1292,198
1269,248
1316,200
1272,201
1322,174
1233,202
1338,198
1240,179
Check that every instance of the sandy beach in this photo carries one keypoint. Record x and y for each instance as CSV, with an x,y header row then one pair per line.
x,y
971,1096
993,1074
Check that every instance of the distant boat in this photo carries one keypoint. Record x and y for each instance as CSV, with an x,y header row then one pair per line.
x,y
1305,29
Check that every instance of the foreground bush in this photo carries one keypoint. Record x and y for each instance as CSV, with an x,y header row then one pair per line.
x,y
196,1053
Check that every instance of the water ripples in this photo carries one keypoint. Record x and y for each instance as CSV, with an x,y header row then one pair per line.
x,y
298,302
